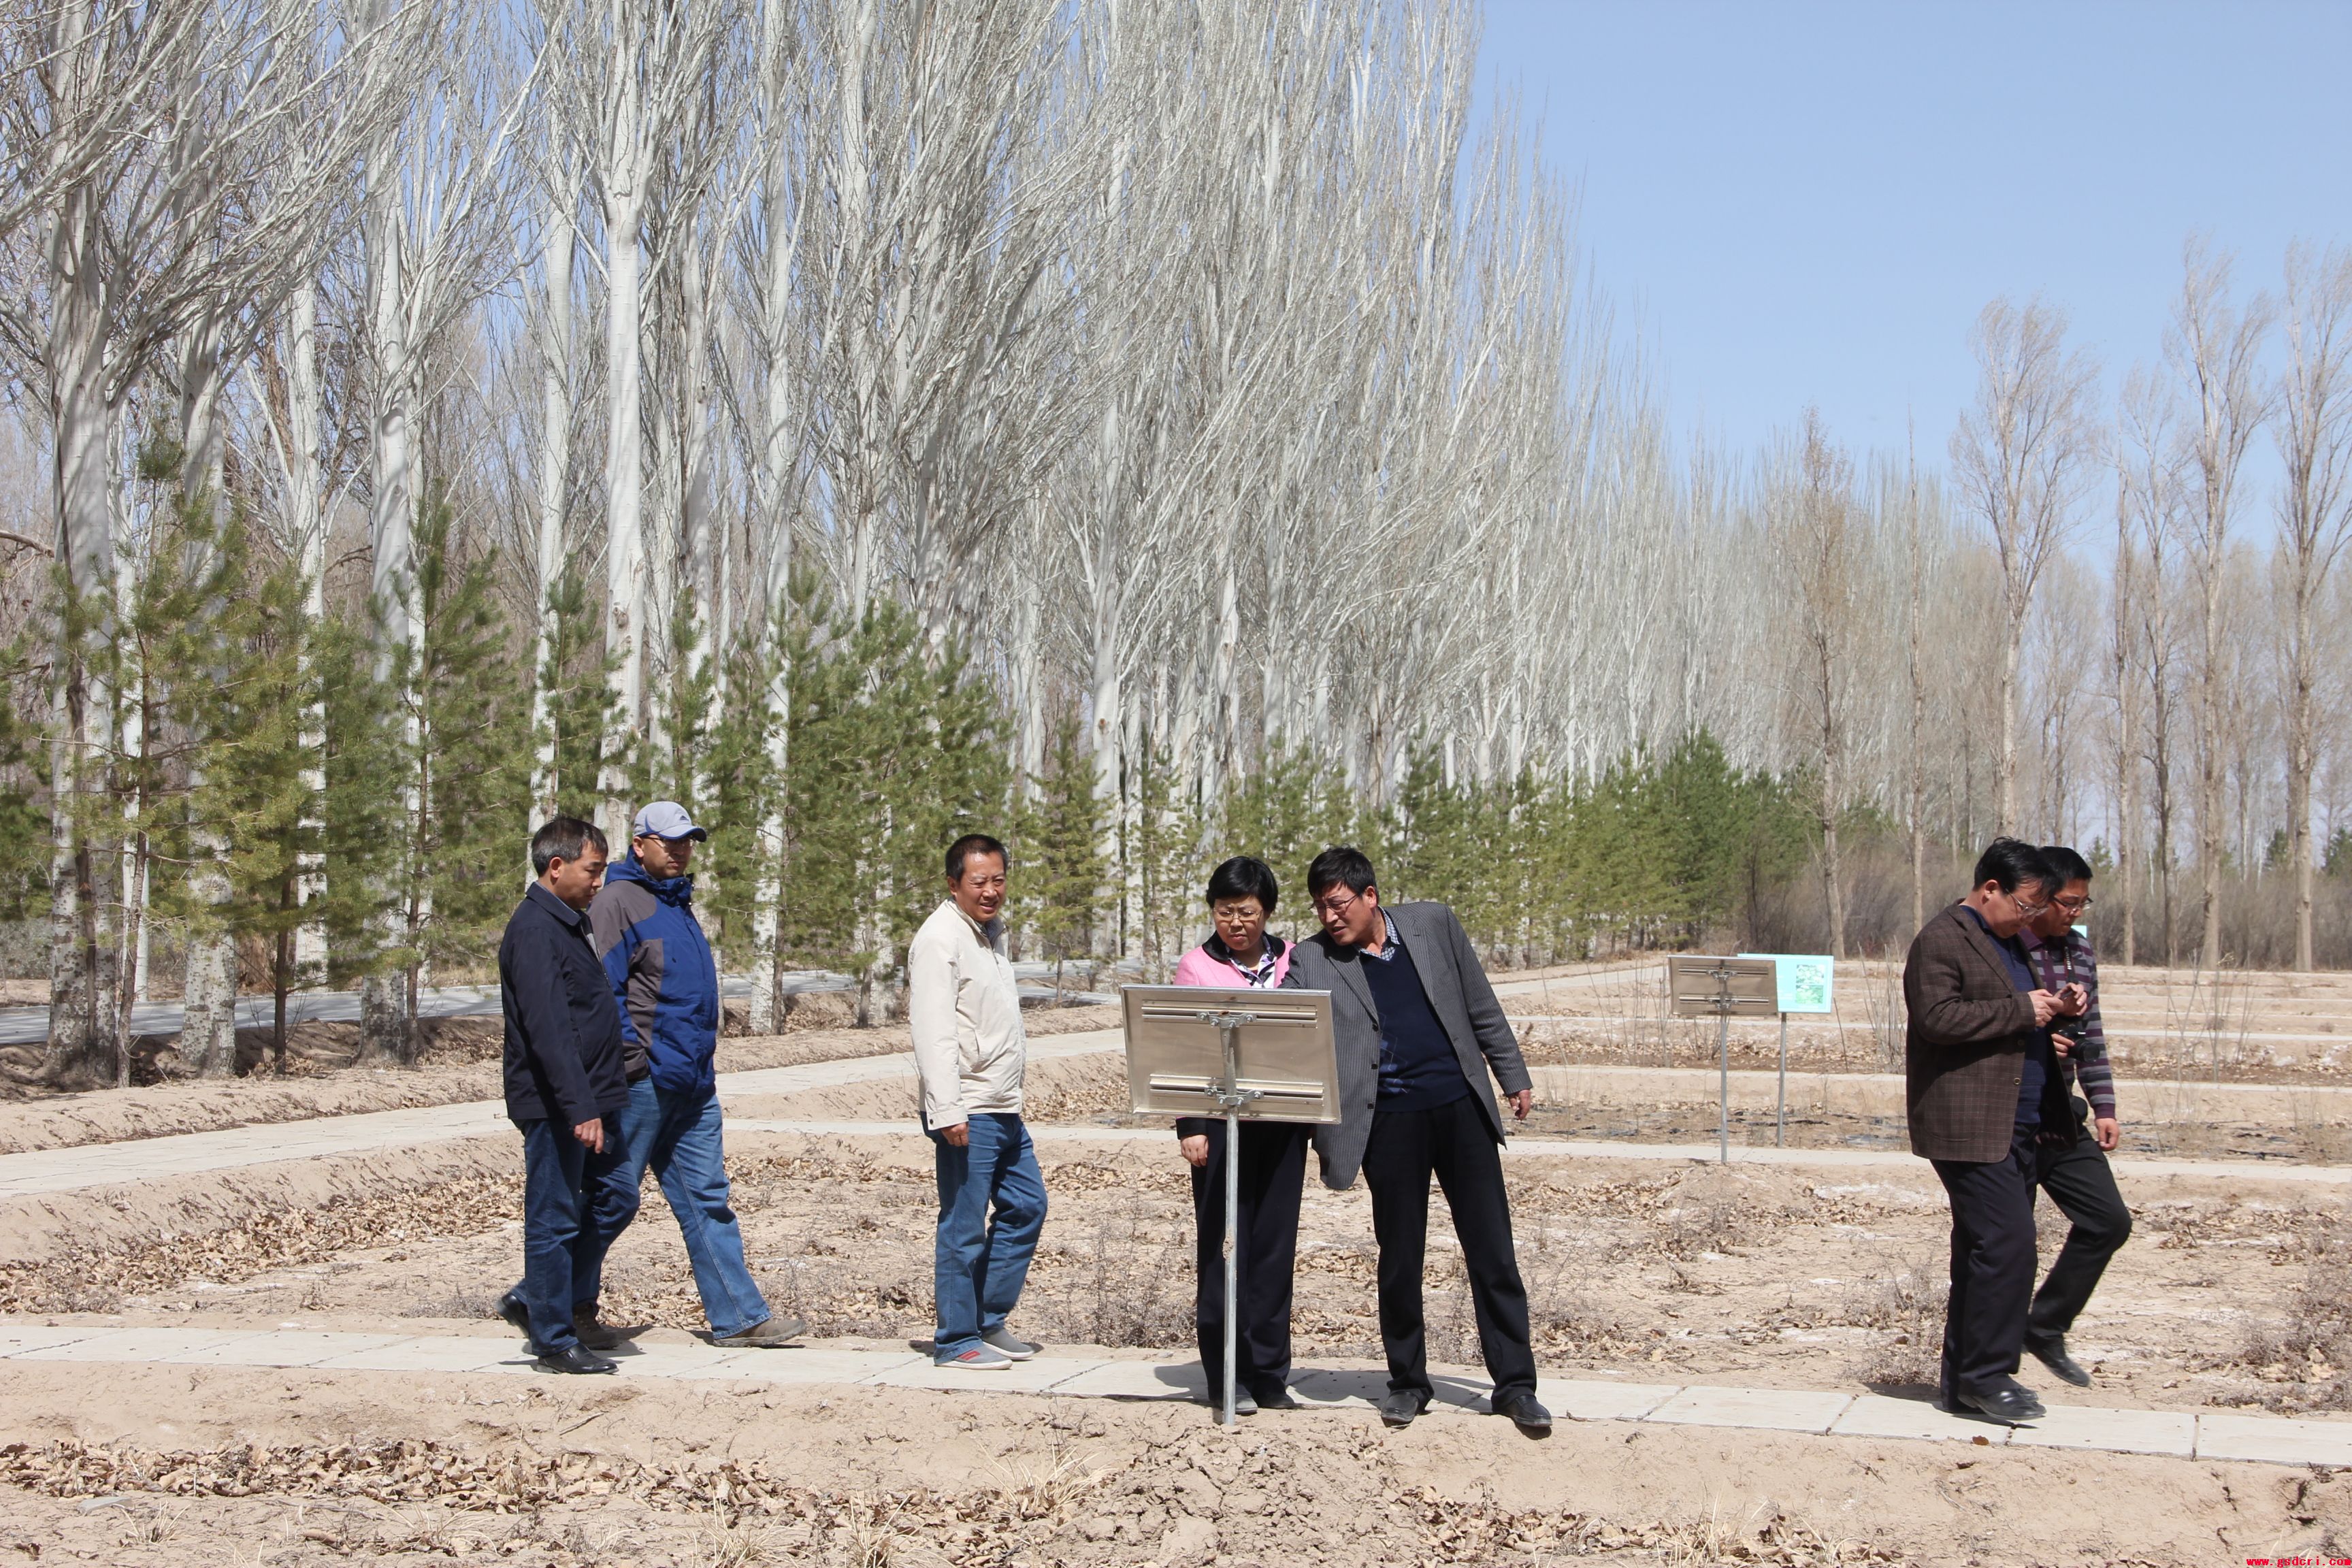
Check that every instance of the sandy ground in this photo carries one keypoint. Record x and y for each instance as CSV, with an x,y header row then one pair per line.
x,y
320,1468
2232,1294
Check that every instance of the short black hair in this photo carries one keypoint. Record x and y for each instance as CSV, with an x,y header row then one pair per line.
x,y
1342,863
563,838
2064,864
1243,877
972,844
2012,863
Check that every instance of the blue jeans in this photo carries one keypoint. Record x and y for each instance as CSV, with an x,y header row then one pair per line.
x,y
678,1136
980,1265
564,1233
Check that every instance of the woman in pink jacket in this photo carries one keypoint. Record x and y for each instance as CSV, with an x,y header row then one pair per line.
x,y
1240,953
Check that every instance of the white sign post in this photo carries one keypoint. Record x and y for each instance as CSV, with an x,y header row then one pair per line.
x,y
1807,980
1720,988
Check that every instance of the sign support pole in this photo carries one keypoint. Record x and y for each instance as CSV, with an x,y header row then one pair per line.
x,y
1233,1096
1723,1004
1780,1118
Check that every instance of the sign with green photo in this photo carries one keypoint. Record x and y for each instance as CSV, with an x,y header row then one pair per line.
x,y
1806,980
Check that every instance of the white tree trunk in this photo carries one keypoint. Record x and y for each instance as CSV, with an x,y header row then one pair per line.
x,y
307,527
86,1042
625,634
554,477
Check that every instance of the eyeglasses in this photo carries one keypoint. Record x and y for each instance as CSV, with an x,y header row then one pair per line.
x,y
2073,906
2025,907
1336,907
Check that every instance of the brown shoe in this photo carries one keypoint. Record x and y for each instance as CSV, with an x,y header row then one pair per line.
x,y
597,1334
766,1334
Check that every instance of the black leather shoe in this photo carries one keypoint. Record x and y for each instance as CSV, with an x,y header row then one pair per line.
x,y
1527,1415
2051,1353
512,1309
1276,1396
574,1358
2007,1400
1400,1405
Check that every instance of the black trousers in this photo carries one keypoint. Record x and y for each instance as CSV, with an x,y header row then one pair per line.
x,y
1993,1309
1453,1143
1274,1168
2079,1181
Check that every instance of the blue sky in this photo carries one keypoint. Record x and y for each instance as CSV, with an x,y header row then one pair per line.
x,y
1808,203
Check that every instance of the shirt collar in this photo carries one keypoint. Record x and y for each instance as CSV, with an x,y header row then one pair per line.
x,y
988,932
1389,942
554,905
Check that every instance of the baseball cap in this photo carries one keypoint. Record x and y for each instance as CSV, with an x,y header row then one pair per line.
x,y
665,819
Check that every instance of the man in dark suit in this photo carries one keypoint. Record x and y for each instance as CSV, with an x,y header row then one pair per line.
x,y
1418,1030
1981,1083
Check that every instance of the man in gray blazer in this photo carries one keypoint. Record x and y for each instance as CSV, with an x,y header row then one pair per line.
x,y
1418,1030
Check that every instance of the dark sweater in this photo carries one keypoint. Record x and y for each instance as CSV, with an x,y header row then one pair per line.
x,y
1419,1070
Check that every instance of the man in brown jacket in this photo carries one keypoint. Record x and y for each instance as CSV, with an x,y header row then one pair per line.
x,y
1981,1083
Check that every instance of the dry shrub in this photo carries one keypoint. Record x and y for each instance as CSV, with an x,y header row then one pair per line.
x,y
1136,1288
2310,1352
1908,1305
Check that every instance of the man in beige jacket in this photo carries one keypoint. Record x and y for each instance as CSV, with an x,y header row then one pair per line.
x,y
965,1012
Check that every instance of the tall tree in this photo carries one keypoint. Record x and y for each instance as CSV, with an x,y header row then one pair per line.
x,y
2019,457
2214,349
2314,437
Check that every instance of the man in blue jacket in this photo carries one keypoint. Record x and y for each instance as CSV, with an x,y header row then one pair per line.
x,y
660,969
564,1085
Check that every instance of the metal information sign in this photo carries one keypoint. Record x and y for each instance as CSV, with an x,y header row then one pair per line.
x,y
1722,988
1241,1053
1807,980
1808,985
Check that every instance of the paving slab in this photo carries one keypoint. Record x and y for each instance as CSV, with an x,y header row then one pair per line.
x,y
282,1347
801,1366
1770,1409
430,1353
1587,1400
664,1359
2274,1440
18,1339
1137,1380
138,1344
1876,1415
2114,1431
1032,1376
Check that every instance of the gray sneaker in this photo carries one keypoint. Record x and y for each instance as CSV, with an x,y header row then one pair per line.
x,y
1004,1343
980,1357
782,1329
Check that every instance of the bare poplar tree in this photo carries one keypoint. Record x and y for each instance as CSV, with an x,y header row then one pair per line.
x,y
2314,437
1817,547
2213,349
2019,457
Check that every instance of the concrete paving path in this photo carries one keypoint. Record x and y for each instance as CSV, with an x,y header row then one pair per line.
x,y
87,1166
2201,1435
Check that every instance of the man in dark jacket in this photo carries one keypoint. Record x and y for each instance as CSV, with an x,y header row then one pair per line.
x,y
1981,1083
563,1082
662,973
1418,1030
